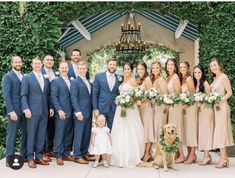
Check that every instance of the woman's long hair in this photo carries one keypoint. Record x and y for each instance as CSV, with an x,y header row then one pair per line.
x,y
175,64
153,77
140,80
202,79
182,78
211,74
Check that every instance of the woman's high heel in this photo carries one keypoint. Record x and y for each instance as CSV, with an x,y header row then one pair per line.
x,y
222,164
205,161
191,161
147,158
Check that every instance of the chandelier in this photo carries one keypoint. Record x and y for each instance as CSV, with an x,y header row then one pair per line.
x,y
130,41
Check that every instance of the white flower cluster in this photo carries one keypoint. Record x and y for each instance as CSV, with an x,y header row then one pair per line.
x,y
137,94
151,93
199,97
212,98
184,98
168,99
124,100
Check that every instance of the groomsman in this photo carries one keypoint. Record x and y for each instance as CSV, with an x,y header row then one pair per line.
x,y
60,98
76,56
34,99
48,63
105,90
11,84
81,91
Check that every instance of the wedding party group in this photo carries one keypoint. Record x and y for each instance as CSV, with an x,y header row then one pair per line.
x,y
54,111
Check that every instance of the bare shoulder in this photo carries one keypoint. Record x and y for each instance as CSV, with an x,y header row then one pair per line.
x,y
162,79
189,79
175,77
133,82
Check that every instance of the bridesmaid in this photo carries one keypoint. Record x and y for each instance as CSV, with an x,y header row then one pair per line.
x,y
205,116
175,113
223,130
153,117
143,82
190,116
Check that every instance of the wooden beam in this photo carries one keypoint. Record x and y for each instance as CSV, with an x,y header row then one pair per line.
x,y
182,25
78,25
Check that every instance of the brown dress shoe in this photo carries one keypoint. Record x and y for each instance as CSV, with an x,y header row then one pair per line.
x,y
41,162
68,158
87,158
50,154
60,161
46,158
81,161
31,164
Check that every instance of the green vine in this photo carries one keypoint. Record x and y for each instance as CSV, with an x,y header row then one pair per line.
x,y
169,149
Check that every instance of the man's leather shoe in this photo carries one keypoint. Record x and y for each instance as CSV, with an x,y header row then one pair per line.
x,y
42,162
87,158
46,158
81,161
50,154
31,164
60,161
68,158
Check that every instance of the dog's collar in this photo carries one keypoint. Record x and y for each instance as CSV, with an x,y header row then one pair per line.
x,y
173,148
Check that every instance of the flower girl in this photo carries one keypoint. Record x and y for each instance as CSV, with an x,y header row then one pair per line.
x,y
101,141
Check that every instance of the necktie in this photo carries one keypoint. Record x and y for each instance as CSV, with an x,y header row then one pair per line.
x,y
40,81
67,82
111,82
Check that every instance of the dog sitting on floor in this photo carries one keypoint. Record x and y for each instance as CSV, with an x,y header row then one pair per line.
x,y
165,149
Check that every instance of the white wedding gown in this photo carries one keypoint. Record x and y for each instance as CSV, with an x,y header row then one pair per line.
x,y
127,136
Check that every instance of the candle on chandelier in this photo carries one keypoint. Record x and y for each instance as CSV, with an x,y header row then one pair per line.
x,y
129,25
139,26
122,28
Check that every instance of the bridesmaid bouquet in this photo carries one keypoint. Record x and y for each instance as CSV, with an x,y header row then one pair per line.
x,y
212,100
137,95
187,99
125,101
199,98
152,95
167,100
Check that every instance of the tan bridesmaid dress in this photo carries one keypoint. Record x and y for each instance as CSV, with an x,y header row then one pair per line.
x,y
190,122
175,113
223,129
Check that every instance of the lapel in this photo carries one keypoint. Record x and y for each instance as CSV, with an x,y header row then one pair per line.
x,y
84,84
72,71
15,76
62,80
106,81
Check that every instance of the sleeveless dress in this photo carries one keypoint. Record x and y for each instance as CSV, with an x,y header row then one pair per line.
x,y
175,114
190,122
223,129
127,136
205,128
143,105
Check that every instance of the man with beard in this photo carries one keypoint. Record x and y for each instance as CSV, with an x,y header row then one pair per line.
x,y
34,99
105,90
11,84
76,58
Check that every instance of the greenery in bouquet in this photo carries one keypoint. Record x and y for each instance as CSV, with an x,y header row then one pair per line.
x,y
212,100
137,94
199,98
151,95
125,101
187,99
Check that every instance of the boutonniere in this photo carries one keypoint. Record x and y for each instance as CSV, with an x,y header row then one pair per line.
x,y
71,78
120,79
57,73
46,76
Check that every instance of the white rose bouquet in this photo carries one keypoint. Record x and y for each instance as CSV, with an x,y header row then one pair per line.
x,y
167,100
199,98
187,99
125,101
212,100
137,95
151,95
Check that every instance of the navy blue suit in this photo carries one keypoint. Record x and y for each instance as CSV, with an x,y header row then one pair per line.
x,y
36,100
60,98
71,72
103,99
11,85
50,132
81,102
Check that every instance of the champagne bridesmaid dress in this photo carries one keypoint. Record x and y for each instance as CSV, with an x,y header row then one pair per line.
x,y
223,129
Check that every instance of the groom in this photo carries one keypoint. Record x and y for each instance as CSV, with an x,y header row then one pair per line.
x,y
105,90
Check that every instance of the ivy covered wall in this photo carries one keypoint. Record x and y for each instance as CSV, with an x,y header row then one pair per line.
x,y
37,31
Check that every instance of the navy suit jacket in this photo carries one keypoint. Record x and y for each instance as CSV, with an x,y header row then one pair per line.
x,y
80,97
11,85
60,97
102,98
71,72
32,96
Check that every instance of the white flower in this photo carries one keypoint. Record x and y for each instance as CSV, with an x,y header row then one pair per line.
x,y
119,78
71,78
46,76
57,73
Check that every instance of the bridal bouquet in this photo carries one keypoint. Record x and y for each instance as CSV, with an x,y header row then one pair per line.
x,y
187,99
125,101
137,94
199,98
212,100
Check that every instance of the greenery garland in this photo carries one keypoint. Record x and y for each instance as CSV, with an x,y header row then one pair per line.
x,y
167,149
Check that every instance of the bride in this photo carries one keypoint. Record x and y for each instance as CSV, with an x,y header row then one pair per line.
x,y
127,132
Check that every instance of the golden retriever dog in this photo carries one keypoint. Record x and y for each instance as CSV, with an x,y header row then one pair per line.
x,y
165,149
